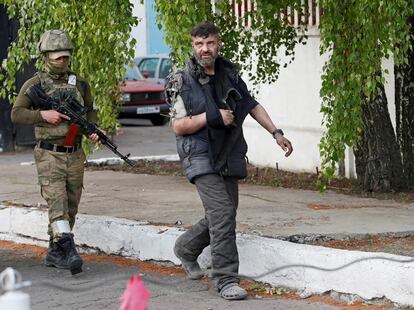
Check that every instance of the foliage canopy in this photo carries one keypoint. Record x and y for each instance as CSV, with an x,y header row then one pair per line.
x,y
261,32
100,32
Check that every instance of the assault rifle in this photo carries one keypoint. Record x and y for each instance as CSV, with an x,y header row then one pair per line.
x,y
71,107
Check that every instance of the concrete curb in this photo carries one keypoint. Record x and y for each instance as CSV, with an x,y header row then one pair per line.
x,y
109,161
311,269
116,160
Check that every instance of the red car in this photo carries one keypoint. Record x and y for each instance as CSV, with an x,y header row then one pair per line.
x,y
142,99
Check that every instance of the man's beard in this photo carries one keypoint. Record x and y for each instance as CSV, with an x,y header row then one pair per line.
x,y
206,62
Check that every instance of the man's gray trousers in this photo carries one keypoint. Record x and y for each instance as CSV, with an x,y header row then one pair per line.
x,y
219,196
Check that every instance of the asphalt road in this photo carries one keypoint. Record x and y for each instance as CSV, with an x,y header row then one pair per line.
x,y
137,137
102,283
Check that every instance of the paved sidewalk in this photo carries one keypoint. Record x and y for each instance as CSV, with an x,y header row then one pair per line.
x,y
265,211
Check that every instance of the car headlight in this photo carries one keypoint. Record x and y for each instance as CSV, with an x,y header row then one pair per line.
x,y
126,97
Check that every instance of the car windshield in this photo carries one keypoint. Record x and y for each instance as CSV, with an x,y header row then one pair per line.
x,y
132,74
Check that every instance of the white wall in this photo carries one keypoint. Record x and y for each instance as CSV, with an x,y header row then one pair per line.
x,y
139,32
293,103
390,88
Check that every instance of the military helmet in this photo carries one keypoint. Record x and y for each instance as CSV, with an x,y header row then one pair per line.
x,y
54,40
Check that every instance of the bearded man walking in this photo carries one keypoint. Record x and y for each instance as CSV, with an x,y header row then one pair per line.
x,y
210,102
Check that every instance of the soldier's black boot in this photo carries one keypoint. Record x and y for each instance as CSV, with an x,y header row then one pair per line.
x,y
55,256
73,260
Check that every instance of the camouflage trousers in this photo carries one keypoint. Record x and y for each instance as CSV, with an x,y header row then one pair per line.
x,y
61,182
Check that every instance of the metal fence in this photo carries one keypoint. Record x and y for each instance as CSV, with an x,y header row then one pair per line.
x,y
309,15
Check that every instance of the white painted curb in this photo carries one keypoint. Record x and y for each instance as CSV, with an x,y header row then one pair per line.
x,y
375,277
116,160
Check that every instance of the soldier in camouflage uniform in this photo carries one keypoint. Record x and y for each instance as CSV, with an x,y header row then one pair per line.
x,y
58,153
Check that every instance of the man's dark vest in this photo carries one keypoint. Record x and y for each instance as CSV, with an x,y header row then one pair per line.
x,y
194,149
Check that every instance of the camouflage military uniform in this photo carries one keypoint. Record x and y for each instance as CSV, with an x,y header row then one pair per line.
x,y
60,174
60,167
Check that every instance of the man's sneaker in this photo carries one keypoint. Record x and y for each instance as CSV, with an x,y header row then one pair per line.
x,y
233,291
192,268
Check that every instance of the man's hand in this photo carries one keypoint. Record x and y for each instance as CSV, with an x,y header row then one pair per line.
x,y
227,116
53,117
284,144
94,137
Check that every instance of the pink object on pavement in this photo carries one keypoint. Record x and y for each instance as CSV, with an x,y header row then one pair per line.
x,y
135,296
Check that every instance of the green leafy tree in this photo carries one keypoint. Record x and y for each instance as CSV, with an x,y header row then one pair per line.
x,y
100,32
358,35
262,31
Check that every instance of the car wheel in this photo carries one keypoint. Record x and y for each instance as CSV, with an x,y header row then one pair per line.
x,y
159,120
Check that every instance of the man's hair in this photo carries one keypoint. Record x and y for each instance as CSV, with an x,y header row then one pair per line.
x,y
204,29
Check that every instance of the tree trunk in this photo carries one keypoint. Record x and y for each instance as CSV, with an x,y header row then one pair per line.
x,y
404,108
377,157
